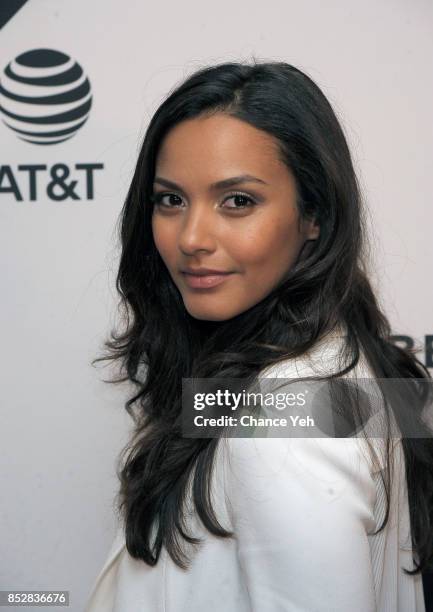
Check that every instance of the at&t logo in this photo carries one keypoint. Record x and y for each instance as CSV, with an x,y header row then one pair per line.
x,y
45,97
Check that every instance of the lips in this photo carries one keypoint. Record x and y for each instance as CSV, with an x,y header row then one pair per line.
x,y
205,281
203,271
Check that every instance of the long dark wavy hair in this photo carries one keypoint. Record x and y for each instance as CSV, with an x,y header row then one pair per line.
x,y
326,287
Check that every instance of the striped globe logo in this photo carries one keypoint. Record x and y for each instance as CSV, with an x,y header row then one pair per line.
x,y
45,97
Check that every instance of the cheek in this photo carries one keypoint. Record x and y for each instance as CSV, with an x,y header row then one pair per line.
x,y
163,238
270,247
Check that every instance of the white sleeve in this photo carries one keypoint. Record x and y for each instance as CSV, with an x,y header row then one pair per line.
x,y
301,509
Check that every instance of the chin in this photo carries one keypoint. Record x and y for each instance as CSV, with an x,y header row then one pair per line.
x,y
210,315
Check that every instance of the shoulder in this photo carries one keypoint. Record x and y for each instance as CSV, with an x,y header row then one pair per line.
x,y
325,357
281,478
328,356
312,470
301,511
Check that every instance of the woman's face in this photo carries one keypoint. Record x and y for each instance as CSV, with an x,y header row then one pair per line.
x,y
249,229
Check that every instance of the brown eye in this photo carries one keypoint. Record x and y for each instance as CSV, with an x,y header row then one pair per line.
x,y
245,201
242,200
157,198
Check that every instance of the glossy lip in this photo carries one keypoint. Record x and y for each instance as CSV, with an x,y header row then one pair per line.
x,y
201,281
202,271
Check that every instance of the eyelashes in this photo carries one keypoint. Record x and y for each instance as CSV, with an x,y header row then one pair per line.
x,y
157,199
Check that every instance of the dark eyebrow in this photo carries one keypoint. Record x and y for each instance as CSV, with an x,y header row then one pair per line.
x,y
229,182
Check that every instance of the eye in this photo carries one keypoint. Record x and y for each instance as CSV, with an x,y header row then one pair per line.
x,y
157,198
241,196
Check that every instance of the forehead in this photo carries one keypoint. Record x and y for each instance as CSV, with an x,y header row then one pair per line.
x,y
221,142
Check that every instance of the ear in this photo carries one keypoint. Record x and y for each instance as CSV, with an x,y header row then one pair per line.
x,y
311,229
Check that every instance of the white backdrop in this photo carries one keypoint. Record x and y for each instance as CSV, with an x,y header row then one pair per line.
x,y
61,427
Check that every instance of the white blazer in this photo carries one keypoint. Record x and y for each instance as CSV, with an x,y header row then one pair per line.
x,y
303,511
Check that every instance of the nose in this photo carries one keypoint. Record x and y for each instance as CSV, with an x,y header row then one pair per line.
x,y
197,231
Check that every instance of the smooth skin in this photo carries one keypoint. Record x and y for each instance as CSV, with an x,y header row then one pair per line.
x,y
252,229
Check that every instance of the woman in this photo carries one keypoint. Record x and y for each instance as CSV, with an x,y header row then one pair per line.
x,y
243,257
